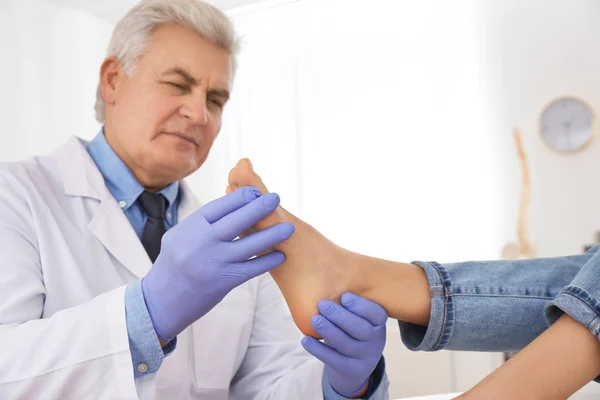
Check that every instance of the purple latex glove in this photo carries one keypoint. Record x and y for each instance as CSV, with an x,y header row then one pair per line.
x,y
354,338
200,262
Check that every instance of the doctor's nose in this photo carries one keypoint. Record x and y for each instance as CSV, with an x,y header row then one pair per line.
x,y
194,110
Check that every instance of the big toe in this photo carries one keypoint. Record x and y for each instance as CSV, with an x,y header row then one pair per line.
x,y
243,175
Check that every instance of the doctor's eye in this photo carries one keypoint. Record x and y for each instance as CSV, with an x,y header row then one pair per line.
x,y
178,86
216,102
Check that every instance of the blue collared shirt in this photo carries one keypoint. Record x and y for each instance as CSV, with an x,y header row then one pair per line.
x,y
125,188
146,352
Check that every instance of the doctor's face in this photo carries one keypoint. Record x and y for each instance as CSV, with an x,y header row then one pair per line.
x,y
163,120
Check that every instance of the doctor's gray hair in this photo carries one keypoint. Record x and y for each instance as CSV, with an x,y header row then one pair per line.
x,y
132,33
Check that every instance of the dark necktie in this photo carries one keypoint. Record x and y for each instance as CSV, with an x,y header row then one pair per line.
x,y
155,206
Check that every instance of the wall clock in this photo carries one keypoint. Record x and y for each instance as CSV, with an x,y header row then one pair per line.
x,y
567,124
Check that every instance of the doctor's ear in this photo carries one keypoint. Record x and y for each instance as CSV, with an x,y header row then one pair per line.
x,y
111,73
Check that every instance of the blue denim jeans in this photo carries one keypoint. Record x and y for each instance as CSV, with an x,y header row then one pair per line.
x,y
504,305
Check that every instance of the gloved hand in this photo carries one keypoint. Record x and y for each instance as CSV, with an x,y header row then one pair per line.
x,y
200,263
354,338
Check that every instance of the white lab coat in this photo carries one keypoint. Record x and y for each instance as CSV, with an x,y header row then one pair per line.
x,y
67,252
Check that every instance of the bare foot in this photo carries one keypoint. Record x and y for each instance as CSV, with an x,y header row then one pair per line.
x,y
315,268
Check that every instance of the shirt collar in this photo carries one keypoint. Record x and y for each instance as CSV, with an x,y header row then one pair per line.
x,y
119,179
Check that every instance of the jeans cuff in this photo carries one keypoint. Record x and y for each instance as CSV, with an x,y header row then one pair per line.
x,y
437,335
579,304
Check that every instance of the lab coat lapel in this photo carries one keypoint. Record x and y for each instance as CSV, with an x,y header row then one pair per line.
x,y
108,223
189,202
112,228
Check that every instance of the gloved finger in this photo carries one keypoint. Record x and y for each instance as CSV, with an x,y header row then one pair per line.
x,y
217,209
229,189
354,325
337,339
250,269
364,308
324,353
236,222
258,242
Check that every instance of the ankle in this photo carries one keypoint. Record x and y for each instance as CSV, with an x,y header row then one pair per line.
x,y
362,282
401,289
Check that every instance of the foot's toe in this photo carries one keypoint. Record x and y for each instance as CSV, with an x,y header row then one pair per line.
x,y
243,175
232,179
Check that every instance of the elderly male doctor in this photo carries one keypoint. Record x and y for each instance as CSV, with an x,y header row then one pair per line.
x,y
91,305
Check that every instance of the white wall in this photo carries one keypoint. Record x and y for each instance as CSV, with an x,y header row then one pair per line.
x,y
49,67
537,50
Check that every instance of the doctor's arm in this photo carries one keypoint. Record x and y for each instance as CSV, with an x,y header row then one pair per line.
x,y
69,353
85,348
198,255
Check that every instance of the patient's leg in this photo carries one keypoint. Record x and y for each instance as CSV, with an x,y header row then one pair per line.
x,y
317,269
